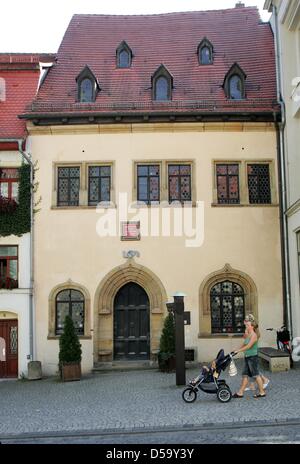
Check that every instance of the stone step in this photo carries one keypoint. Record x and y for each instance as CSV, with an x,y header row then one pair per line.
x,y
124,366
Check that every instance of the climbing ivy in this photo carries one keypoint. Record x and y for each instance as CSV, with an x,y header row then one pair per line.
x,y
17,222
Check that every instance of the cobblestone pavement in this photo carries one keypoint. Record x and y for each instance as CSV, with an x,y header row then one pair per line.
x,y
134,400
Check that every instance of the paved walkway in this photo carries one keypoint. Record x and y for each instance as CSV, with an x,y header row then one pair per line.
x,y
132,400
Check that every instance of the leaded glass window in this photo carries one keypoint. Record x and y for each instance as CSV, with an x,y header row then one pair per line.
x,y
70,302
99,184
236,90
162,89
8,267
227,304
9,183
259,183
13,347
86,91
180,186
148,184
228,183
68,186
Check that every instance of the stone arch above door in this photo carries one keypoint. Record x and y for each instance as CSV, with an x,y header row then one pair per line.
x,y
104,306
234,275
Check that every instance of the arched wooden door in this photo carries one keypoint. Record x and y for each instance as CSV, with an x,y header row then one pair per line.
x,y
131,323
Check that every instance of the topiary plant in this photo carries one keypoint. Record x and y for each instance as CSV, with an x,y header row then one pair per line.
x,y
69,345
166,355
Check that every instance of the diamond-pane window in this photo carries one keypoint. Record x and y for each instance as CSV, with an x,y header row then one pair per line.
x,y
148,184
70,302
228,183
99,184
227,304
180,186
259,184
14,340
68,186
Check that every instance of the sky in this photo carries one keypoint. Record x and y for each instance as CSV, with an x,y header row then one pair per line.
x,y
38,26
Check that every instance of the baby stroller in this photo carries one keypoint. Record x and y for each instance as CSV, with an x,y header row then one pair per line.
x,y
209,380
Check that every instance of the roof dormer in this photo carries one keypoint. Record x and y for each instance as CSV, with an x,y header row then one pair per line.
x,y
87,86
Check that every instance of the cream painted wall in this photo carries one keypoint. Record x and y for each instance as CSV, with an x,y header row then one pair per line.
x,y
68,247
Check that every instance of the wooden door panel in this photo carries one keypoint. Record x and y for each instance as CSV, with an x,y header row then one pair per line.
x,y
9,331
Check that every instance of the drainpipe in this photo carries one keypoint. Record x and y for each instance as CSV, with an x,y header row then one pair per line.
x,y
280,132
31,306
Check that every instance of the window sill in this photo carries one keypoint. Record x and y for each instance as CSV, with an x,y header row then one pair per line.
x,y
80,207
247,205
57,337
217,337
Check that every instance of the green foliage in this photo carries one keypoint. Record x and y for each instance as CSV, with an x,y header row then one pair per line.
x,y
167,341
17,222
69,345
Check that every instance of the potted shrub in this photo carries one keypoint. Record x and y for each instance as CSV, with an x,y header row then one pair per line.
x,y
166,355
69,353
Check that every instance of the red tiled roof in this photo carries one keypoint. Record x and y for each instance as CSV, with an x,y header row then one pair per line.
x,y
21,75
237,35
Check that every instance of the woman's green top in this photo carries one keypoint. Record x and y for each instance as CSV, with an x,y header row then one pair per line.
x,y
253,351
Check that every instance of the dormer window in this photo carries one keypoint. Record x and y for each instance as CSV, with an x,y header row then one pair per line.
x,y
87,86
235,83
162,84
205,52
2,89
124,56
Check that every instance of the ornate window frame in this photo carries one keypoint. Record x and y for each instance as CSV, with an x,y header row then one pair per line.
x,y
86,73
227,273
123,47
235,70
162,72
70,285
205,43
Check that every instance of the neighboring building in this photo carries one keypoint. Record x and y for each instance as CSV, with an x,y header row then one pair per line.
x,y
286,25
172,107
19,77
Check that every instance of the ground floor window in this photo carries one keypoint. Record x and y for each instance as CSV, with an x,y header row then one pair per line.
x,y
227,301
70,302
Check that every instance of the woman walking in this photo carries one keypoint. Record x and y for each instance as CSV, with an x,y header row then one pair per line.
x,y
250,348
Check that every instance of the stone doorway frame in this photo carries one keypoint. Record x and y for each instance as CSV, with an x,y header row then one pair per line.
x,y
104,307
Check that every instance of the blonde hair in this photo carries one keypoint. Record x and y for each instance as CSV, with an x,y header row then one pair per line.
x,y
256,328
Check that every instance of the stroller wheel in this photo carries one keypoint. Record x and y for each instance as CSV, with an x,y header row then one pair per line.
x,y
189,395
224,395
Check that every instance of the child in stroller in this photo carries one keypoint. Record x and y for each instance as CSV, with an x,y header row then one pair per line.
x,y
209,380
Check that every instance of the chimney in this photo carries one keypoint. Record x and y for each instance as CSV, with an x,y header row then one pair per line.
x,y
240,5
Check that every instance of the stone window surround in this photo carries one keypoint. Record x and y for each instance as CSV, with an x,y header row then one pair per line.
x,y
70,285
243,182
233,275
84,187
164,179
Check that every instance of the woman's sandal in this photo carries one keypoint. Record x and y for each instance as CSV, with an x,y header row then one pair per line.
x,y
259,396
237,396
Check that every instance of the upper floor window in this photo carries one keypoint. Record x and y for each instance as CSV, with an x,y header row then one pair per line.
x,y
228,183
259,183
9,183
2,89
205,52
235,83
99,184
69,303
162,84
124,56
148,183
87,86
180,185
68,180
227,303
8,267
